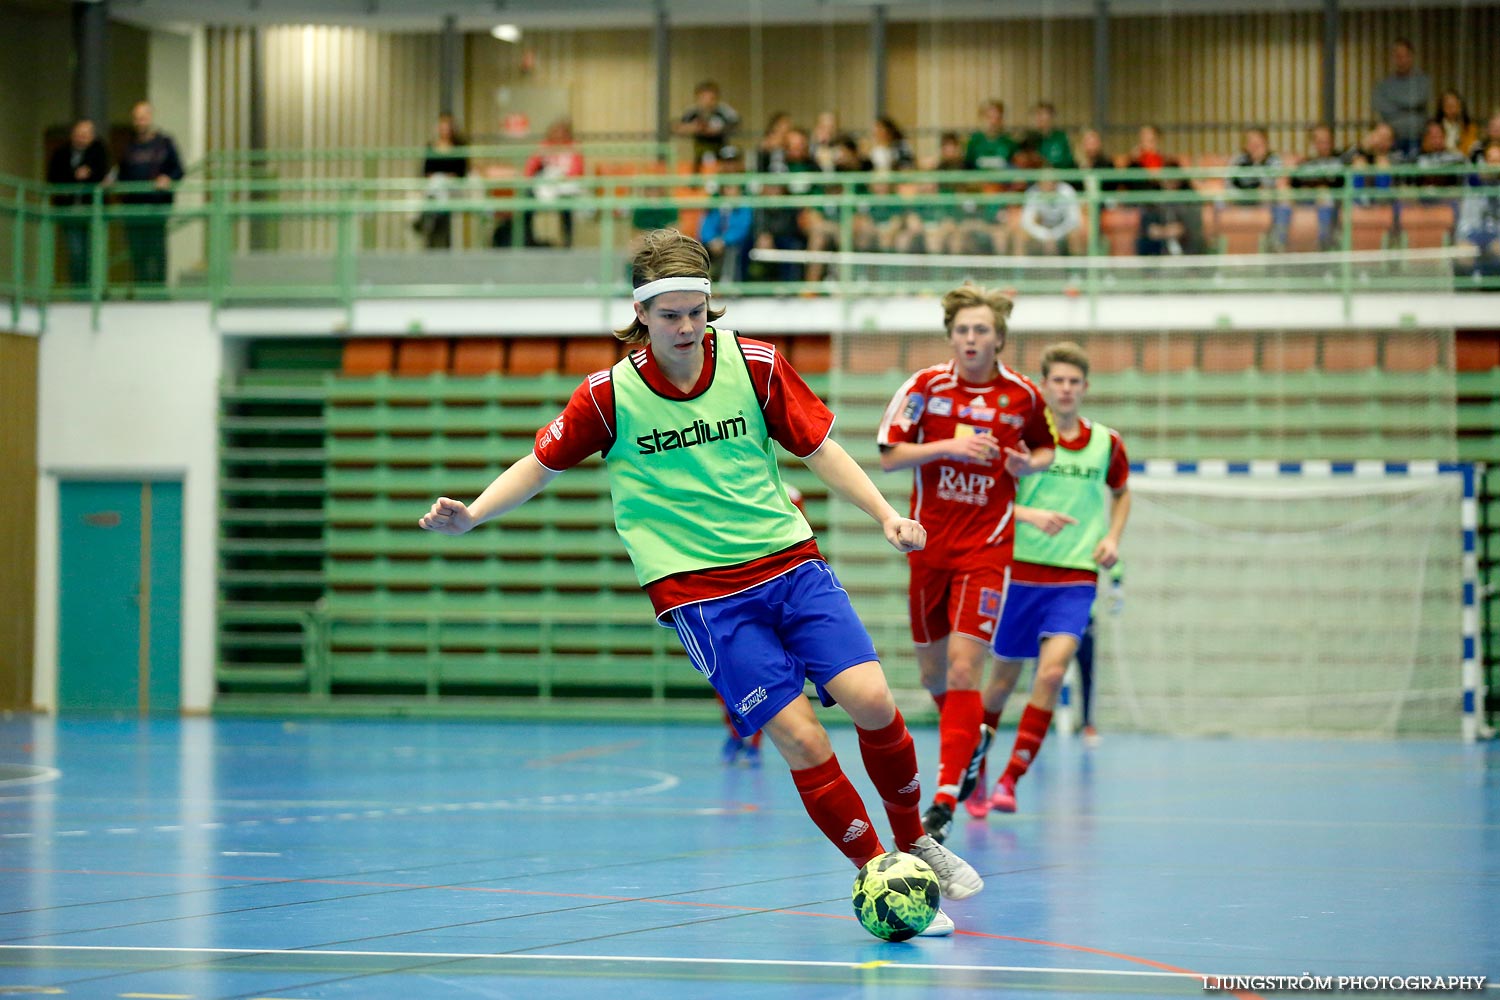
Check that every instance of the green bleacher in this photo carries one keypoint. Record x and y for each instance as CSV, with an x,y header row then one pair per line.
x,y
331,596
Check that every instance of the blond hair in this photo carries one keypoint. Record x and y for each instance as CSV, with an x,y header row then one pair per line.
x,y
1065,353
968,295
664,253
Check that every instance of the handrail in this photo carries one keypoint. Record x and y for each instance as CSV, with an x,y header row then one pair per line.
x,y
351,208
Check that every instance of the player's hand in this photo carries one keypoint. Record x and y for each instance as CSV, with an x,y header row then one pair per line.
x,y
447,517
982,449
1050,522
1106,553
905,535
1018,460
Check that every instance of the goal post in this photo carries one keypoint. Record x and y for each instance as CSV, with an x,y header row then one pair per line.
x,y
1296,598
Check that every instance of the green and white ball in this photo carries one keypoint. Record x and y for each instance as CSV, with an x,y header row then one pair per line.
x,y
895,896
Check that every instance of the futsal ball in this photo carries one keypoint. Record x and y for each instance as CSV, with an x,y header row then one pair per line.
x,y
895,896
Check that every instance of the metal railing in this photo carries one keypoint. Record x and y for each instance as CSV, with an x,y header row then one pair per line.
x,y
339,240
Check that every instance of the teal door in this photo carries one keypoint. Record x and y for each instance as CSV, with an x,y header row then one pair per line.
x,y
120,595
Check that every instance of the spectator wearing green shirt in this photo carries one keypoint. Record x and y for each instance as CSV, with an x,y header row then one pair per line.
x,y
990,147
1047,139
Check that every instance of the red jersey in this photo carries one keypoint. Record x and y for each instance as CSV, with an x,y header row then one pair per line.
x,y
1114,477
967,507
796,418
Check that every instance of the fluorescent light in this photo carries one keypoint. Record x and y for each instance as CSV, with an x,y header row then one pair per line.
x,y
506,32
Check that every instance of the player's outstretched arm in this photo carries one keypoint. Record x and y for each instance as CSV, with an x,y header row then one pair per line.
x,y
1023,460
511,488
981,449
1048,521
832,464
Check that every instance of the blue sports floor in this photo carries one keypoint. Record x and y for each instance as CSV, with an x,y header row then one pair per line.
x,y
420,860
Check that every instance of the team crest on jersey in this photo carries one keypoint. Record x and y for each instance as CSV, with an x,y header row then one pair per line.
x,y
989,602
941,406
912,411
972,412
1004,400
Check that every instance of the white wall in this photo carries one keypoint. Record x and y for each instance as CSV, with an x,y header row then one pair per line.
x,y
137,398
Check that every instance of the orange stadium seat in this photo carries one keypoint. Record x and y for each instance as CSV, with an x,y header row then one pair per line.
x,y
1477,350
1371,225
874,355
1407,353
478,356
1119,228
1424,226
582,355
1243,228
1175,354
532,356
1290,352
368,357
812,355
1110,354
1302,231
1228,352
421,356
1348,352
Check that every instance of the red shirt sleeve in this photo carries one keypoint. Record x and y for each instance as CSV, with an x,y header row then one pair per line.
x,y
1038,432
797,419
585,427
1119,464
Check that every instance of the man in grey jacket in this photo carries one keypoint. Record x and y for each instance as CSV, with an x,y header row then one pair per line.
x,y
1403,100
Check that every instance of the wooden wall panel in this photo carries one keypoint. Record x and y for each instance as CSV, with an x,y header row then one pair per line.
x,y
18,419
1202,77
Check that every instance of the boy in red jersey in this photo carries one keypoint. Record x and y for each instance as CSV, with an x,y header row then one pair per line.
x,y
969,427
685,424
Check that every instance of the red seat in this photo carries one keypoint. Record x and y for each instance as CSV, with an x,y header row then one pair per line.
x,y
532,356
1424,226
583,355
368,357
478,356
422,356
1243,228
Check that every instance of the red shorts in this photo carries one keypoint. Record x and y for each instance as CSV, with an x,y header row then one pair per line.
x,y
965,600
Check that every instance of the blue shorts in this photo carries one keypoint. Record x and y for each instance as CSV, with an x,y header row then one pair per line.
x,y
1033,612
760,647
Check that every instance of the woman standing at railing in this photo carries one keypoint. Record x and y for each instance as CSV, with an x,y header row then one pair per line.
x,y
443,168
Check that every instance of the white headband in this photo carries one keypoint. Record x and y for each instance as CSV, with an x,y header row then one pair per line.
x,y
653,288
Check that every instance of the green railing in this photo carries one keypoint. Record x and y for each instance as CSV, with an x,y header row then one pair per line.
x,y
338,240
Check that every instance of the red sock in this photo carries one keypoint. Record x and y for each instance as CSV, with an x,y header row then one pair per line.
x,y
1030,732
755,738
838,810
939,699
891,761
992,719
958,737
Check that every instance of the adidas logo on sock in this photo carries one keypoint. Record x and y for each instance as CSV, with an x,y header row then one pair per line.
x,y
856,830
914,785
1024,755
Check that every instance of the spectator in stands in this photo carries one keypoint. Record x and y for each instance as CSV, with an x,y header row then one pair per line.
x,y
777,228
727,228
82,160
150,158
1479,219
1491,135
824,137
1403,100
1319,174
1460,131
710,123
1049,141
1434,152
1255,155
950,152
770,152
660,213
1147,154
1171,227
444,168
889,149
1051,220
1376,149
1091,154
990,147
558,163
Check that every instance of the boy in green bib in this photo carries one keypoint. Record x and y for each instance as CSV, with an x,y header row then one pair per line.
x,y
686,423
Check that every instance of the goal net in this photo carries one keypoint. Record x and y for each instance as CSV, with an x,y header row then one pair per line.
x,y
1291,600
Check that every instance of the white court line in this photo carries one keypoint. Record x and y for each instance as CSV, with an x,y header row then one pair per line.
x,y
643,959
42,774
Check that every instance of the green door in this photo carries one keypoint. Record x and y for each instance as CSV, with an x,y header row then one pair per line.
x,y
120,595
